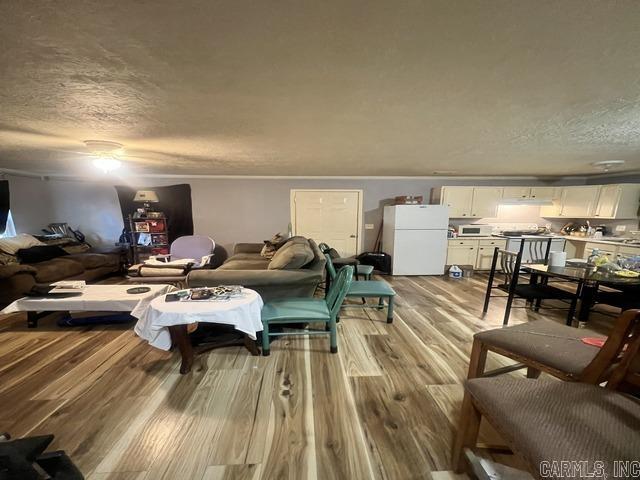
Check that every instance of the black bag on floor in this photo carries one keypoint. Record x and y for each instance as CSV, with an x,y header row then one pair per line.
x,y
379,260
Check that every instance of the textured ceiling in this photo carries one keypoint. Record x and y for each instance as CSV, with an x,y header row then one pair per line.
x,y
335,87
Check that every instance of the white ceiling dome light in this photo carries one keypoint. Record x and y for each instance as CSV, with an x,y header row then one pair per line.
x,y
608,165
105,153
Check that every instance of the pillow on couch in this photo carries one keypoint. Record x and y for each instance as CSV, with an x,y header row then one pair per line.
x,y
291,256
271,246
11,245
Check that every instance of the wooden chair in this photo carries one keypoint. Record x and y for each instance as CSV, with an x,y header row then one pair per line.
x,y
548,422
297,310
367,289
510,264
547,346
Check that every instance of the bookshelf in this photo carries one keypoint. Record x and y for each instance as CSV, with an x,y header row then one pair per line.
x,y
149,236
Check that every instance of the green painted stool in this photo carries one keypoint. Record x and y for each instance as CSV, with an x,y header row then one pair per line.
x,y
367,289
296,310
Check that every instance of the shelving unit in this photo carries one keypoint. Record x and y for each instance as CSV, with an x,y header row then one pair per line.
x,y
149,236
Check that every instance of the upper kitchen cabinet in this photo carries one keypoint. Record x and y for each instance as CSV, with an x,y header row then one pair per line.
x,y
618,201
543,194
595,201
516,193
473,202
579,202
486,201
458,199
528,194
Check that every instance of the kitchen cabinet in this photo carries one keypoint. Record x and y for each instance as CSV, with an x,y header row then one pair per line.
x,y
595,201
473,202
485,202
605,249
515,194
485,252
579,202
462,252
555,209
475,252
458,199
618,201
628,250
544,194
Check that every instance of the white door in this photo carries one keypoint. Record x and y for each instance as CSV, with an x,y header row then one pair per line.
x,y
329,216
608,201
458,199
485,202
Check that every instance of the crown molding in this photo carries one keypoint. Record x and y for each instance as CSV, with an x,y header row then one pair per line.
x,y
112,178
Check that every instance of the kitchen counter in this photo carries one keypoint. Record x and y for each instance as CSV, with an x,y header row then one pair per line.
x,y
599,240
483,237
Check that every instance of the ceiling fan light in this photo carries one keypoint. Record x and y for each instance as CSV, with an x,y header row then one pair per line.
x,y
606,165
107,164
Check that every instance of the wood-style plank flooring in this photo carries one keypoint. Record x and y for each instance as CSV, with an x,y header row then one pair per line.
x,y
384,407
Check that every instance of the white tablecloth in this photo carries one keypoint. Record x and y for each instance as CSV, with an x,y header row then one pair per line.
x,y
94,298
242,312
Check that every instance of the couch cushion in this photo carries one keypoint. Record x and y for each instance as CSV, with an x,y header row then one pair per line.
x,y
249,264
8,271
95,260
547,342
552,421
246,256
11,245
291,256
57,269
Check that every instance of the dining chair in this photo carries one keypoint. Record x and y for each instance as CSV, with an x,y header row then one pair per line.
x,y
367,289
546,423
510,264
338,261
568,353
538,249
308,310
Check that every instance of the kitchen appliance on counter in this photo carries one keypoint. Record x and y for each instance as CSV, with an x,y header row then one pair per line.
x,y
475,230
416,238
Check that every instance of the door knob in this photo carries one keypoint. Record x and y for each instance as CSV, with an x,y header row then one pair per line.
x,y
352,236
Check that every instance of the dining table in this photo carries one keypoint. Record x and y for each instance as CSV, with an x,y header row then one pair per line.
x,y
588,279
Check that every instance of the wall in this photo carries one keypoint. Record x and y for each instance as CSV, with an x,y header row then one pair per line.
x,y
229,210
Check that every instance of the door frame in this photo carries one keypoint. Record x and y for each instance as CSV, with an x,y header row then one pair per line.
x,y
360,192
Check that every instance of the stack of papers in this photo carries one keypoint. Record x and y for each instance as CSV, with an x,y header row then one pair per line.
x,y
179,262
68,286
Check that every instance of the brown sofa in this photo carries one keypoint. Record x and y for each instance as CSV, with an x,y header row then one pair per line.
x,y
248,268
18,278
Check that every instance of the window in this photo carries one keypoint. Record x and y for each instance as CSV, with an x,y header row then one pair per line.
x,y
10,229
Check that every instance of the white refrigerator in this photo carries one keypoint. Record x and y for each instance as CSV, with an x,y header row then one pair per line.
x,y
416,238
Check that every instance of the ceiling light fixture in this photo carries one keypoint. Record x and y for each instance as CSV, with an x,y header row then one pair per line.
x,y
606,165
106,154
107,164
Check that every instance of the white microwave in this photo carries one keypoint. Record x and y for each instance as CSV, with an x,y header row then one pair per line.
x,y
477,230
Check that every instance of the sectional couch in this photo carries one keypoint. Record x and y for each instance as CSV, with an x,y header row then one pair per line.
x,y
295,270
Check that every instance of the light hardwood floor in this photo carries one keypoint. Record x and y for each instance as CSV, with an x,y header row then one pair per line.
x,y
384,407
